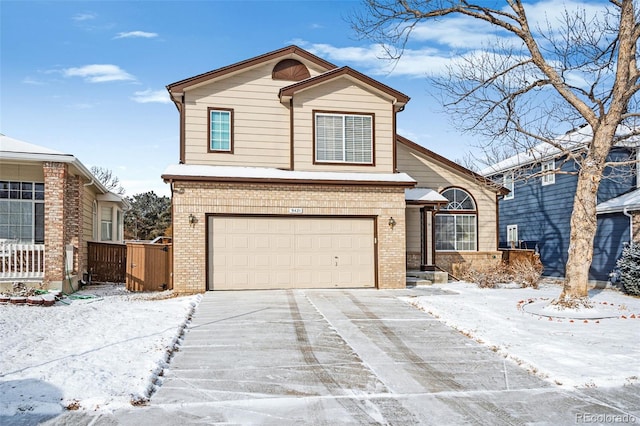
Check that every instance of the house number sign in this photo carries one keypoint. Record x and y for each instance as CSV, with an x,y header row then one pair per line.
x,y
295,210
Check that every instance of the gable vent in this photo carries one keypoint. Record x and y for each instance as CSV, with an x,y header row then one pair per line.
x,y
290,70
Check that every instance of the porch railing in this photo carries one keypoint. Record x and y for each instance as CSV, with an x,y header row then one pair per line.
x,y
21,261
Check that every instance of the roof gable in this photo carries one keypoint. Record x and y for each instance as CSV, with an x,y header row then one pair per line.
x,y
461,170
289,91
286,52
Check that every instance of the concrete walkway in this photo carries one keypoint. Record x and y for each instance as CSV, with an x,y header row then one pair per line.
x,y
350,356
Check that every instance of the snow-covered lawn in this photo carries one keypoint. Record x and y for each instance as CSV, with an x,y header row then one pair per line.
x,y
100,352
570,352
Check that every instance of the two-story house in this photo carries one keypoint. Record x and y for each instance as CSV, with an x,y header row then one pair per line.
x,y
291,175
536,213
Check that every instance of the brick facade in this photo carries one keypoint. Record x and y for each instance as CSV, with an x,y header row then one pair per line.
x,y
55,175
63,225
455,262
636,227
202,198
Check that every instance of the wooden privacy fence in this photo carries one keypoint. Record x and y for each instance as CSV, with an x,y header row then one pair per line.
x,y
107,262
149,267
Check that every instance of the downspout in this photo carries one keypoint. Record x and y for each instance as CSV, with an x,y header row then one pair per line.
x,y
625,212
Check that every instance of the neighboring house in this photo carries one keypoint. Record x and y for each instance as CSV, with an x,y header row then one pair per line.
x,y
291,175
536,213
50,206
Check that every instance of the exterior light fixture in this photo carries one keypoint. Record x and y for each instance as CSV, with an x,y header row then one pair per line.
x,y
392,222
192,219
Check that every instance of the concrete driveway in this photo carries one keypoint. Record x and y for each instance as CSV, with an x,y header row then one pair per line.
x,y
349,356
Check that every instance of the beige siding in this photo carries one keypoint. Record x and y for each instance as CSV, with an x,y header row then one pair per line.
x,y
412,215
87,214
342,95
432,174
21,172
86,223
261,123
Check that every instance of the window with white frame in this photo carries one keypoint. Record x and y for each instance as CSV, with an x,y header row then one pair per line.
x,y
512,236
507,182
456,225
343,138
220,130
106,224
548,172
22,211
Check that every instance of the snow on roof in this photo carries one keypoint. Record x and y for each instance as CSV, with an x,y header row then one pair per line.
x,y
16,147
630,201
571,141
424,195
231,172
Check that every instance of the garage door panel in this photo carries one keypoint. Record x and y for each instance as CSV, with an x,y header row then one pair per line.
x,y
291,252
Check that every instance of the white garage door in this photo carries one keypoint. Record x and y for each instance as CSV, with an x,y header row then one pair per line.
x,y
247,252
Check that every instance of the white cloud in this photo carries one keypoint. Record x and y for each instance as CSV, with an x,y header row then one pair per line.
x,y
374,60
33,81
148,96
99,73
136,34
84,17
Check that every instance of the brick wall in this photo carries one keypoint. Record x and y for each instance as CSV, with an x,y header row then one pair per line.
x,y
414,260
55,175
63,221
200,198
636,226
453,261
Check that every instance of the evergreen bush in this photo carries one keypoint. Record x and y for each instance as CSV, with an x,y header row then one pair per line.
x,y
629,265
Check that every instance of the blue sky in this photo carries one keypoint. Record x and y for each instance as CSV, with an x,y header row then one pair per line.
x,y
88,77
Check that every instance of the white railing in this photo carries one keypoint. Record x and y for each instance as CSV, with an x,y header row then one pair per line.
x,y
21,261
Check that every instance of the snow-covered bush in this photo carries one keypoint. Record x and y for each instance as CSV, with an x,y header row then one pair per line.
x,y
629,266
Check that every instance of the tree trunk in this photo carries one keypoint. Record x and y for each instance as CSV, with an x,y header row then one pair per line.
x,y
584,221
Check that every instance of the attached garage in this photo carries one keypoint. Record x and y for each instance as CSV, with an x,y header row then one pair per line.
x,y
276,252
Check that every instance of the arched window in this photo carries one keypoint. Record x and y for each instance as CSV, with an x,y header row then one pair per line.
x,y
457,224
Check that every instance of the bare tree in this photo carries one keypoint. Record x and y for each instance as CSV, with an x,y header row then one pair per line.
x,y
534,83
108,179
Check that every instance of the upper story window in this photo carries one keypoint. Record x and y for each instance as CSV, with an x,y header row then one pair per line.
x,y
343,138
220,130
548,172
507,182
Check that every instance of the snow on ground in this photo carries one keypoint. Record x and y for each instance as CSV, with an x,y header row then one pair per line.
x,y
108,351
557,346
91,353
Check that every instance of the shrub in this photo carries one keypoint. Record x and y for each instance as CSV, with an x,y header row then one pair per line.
x,y
524,272
527,272
629,265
